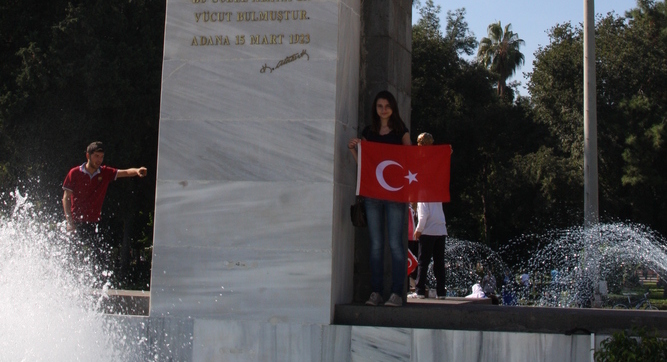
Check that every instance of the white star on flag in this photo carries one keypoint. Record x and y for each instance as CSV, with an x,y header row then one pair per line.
x,y
411,177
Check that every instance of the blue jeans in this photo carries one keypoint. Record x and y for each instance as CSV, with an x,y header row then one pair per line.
x,y
394,213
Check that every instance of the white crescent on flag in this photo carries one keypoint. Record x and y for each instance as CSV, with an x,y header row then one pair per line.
x,y
379,174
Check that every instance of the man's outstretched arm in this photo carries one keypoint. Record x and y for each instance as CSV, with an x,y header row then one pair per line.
x,y
131,172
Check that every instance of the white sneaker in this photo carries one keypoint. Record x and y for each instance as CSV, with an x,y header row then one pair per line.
x,y
415,295
394,301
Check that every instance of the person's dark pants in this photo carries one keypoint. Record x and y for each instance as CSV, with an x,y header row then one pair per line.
x,y
94,247
431,247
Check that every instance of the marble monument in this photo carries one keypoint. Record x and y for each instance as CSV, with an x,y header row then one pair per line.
x,y
253,246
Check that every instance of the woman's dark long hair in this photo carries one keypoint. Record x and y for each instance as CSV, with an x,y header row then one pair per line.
x,y
395,122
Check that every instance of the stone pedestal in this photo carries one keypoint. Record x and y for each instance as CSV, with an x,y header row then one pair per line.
x,y
259,99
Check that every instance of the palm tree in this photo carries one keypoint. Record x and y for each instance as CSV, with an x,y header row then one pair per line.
x,y
500,53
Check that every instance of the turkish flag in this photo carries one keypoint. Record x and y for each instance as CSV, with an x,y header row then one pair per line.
x,y
412,262
403,173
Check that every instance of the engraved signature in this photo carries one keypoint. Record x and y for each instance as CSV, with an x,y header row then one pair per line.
x,y
285,61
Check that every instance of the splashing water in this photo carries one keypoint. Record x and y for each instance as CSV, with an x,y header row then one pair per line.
x,y
465,264
565,266
47,310
568,265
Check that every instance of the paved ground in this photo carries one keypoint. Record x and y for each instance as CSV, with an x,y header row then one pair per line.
x,y
460,314
449,301
137,302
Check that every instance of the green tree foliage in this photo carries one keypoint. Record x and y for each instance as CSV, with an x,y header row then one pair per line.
x,y
454,99
500,53
74,72
643,112
556,89
24,25
517,167
631,71
636,345
435,65
457,34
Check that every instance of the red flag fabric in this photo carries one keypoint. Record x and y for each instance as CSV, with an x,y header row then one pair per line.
x,y
411,224
403,173
412,262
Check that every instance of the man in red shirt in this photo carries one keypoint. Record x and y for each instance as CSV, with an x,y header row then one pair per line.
x,y
85,187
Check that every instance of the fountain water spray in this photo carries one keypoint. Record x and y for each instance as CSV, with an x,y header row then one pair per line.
x,y
47,310
465,264
568,265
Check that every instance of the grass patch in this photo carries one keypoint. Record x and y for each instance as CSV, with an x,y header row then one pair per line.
x,y
656,295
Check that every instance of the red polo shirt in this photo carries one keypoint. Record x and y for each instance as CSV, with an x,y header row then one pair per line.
x,y
88,191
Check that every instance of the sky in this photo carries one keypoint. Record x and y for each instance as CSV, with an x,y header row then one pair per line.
x,y
530,19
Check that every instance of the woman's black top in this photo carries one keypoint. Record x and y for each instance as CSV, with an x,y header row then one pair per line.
x,y
391,137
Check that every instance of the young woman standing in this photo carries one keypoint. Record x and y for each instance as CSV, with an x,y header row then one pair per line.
x,y
386,127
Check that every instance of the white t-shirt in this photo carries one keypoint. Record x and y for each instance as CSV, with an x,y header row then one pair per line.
x,y
431,219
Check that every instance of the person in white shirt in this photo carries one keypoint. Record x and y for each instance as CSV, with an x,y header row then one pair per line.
x,y
431,231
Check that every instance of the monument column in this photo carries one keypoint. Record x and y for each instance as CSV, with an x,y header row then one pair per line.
x,y
253,244
386,58
254,179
